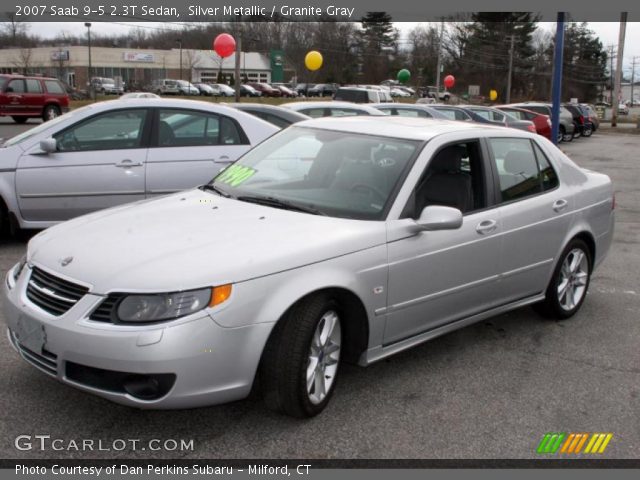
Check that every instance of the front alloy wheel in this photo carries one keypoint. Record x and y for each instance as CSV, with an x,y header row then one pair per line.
x,y
324,357
301,360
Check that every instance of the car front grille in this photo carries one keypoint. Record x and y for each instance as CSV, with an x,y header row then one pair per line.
x,y
52,294
45,361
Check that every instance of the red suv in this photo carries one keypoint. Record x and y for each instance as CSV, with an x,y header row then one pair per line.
x,y
22,98
266,89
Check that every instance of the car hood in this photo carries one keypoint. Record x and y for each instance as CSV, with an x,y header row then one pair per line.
x,y
193,239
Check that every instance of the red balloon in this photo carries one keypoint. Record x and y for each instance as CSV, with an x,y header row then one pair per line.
x,y
224,45
449,81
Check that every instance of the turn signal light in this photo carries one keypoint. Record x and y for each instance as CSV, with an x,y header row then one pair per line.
x,y
220,294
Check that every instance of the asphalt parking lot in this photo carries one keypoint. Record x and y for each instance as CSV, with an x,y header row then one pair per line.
x,y
491,390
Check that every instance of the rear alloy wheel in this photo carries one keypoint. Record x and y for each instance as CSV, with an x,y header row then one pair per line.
x,y
570,282
566,137
587,131
50,112
300,362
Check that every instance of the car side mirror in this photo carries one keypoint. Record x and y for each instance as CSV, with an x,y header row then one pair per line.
x,y
49,145
437,217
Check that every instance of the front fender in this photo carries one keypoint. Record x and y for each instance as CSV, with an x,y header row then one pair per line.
x,y
266,299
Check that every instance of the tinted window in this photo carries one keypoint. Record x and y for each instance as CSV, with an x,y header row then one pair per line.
x,y
454,178
517,114
548,174
543,110
357,96
53,86
33,85
517,167
184,128
108,131
16,86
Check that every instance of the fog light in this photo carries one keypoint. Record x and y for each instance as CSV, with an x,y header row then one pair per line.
x,y
142,386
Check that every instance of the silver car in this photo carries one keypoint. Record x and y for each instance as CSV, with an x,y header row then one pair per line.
x,y
116,152
331,109
336,240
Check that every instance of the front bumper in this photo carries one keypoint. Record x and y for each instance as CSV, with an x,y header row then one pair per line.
x,y
210,364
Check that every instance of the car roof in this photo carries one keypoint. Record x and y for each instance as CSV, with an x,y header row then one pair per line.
x,y
403,127
157,102
263,107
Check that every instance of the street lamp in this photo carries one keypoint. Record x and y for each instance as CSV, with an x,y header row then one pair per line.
x,y
179,42
89,72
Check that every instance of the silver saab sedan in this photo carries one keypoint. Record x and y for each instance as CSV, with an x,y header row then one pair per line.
x,y
336,240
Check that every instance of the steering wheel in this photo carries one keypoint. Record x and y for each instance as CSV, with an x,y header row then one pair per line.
x,y
363,186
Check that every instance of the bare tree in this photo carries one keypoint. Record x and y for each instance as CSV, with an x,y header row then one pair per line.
x,y
14,29
23,61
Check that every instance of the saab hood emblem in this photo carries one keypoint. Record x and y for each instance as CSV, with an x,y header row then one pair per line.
x,y
66,261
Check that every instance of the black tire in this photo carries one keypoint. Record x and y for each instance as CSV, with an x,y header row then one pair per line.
x,y
587,131
50,112
551,307
566,137
283,368
18,119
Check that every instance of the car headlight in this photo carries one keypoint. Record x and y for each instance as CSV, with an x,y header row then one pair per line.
x,y
169,306
17,270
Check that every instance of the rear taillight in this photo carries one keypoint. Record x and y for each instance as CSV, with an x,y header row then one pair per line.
x,y
582,119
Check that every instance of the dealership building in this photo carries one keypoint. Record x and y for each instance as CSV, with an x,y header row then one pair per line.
x,y
137,68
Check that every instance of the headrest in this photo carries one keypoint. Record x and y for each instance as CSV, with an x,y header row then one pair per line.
x,y
448,160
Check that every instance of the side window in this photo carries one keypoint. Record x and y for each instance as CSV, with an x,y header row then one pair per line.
x,y
460,115
549,175
53,86
346,112
517,168
498,117
186,128
16,86
33,85
109,131
314,112
454,177
411,113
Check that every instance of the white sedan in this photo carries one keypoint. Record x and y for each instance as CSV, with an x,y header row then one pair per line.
x,y
116,152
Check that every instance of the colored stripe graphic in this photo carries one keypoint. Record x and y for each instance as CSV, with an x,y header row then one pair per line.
x,y
572,443
551,442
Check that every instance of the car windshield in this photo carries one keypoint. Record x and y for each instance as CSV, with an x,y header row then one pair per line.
x,y
339,174
42,127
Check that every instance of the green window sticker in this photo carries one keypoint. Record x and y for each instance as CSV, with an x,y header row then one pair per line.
x,y
235,174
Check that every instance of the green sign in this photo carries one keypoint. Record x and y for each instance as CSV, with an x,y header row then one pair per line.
x,y
277,66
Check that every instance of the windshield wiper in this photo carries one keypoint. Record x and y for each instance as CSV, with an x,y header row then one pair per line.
x,y
278,203
212,188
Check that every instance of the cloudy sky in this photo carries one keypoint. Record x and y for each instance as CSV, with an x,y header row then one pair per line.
x,y
607,31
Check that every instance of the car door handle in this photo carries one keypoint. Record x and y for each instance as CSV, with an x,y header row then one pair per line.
x,y
127,163
486,226
560,205
223,159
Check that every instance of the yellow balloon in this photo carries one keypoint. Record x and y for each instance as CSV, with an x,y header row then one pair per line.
x,y
313,60
493,95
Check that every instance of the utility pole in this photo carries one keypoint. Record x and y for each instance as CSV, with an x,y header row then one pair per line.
x,y
513,39
237,74
439,64
557,78
611,52
618,79
633,75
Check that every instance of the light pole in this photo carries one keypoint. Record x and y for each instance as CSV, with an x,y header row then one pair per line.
x,y
179,41
90,71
